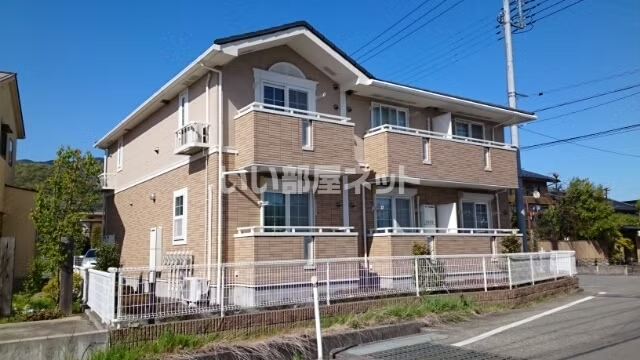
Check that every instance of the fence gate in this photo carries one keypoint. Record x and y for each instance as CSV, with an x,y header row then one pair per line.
x,y
7,253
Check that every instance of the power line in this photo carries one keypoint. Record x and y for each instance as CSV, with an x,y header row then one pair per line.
x,y
588,82
448,63
587,108
421,61
428,62
390,27
587,98
582,145
615,131
412,31
557,11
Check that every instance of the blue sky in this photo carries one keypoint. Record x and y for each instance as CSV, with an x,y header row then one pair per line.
x,y
85,65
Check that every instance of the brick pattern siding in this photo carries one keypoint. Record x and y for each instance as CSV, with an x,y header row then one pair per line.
x,y
265,138
266,322
450,161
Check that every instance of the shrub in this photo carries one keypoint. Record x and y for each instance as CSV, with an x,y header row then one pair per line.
x,y
96,237
107,256
431,272
36,279
52,289
511,245
49,314
41,301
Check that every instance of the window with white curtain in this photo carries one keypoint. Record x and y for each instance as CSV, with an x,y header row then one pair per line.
x,y
180,217
183,108
120,154
387,114
306,134
284,85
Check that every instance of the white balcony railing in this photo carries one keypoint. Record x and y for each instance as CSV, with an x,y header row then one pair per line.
x,y
294,230
191,138
443,231
304,114
107,181
437,135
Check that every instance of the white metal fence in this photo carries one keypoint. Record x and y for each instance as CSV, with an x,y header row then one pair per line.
x,y
177,290
100,292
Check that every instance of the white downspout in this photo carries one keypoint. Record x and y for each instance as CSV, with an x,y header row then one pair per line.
x,y
220,185
364,226
207,208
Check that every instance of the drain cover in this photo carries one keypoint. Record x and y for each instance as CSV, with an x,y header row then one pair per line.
x,y
430,351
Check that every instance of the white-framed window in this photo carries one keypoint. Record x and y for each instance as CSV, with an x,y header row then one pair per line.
x,y
120,154
394,211
475,215
309,250
386,114
306,134
280,209
183,108
426,151
470,129
10,152
180,201
284,85
487,159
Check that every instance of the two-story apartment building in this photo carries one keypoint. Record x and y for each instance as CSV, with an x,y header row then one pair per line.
x,y
206,164
15,203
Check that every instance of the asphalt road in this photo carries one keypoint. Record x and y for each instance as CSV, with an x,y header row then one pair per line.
x,y
606,326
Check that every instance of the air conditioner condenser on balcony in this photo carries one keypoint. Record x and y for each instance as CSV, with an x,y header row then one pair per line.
x,y
195,289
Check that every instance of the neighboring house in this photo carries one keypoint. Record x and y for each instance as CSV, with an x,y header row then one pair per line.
x,y
15,203
270,103
90,221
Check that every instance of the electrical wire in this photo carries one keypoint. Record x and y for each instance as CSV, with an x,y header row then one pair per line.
x,y
428,63
390,27
409,33
557,11
472,29
586,98
614,131
582,145
585,109
448,63
588,82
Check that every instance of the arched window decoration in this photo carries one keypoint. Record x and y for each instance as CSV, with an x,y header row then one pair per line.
x,y
286,68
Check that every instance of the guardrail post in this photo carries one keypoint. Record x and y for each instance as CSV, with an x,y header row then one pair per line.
x,y
328,292
557,267
221,290
484,272
415,262
533,276
509,270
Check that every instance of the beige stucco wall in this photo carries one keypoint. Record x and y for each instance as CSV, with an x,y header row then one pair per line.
x,y
18,224
148,147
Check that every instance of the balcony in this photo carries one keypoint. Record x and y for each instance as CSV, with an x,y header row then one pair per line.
x,y
279,136
440,158
191,138
107,181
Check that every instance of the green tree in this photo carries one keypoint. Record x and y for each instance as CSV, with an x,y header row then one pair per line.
x,y
96,236
70,190
511,245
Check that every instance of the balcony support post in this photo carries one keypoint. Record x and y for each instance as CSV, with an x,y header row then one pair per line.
x,y
345,200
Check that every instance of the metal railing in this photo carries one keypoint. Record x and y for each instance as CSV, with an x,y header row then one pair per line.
x,y
437,135
294,230
186,289
107,180
193,133
443,231
281,110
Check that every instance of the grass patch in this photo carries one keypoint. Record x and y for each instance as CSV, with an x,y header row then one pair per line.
x,y
166,343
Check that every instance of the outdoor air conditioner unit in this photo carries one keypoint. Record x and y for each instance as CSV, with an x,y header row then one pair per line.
x,y
195,289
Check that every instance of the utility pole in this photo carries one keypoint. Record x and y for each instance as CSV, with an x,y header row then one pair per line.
x,y
511,93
